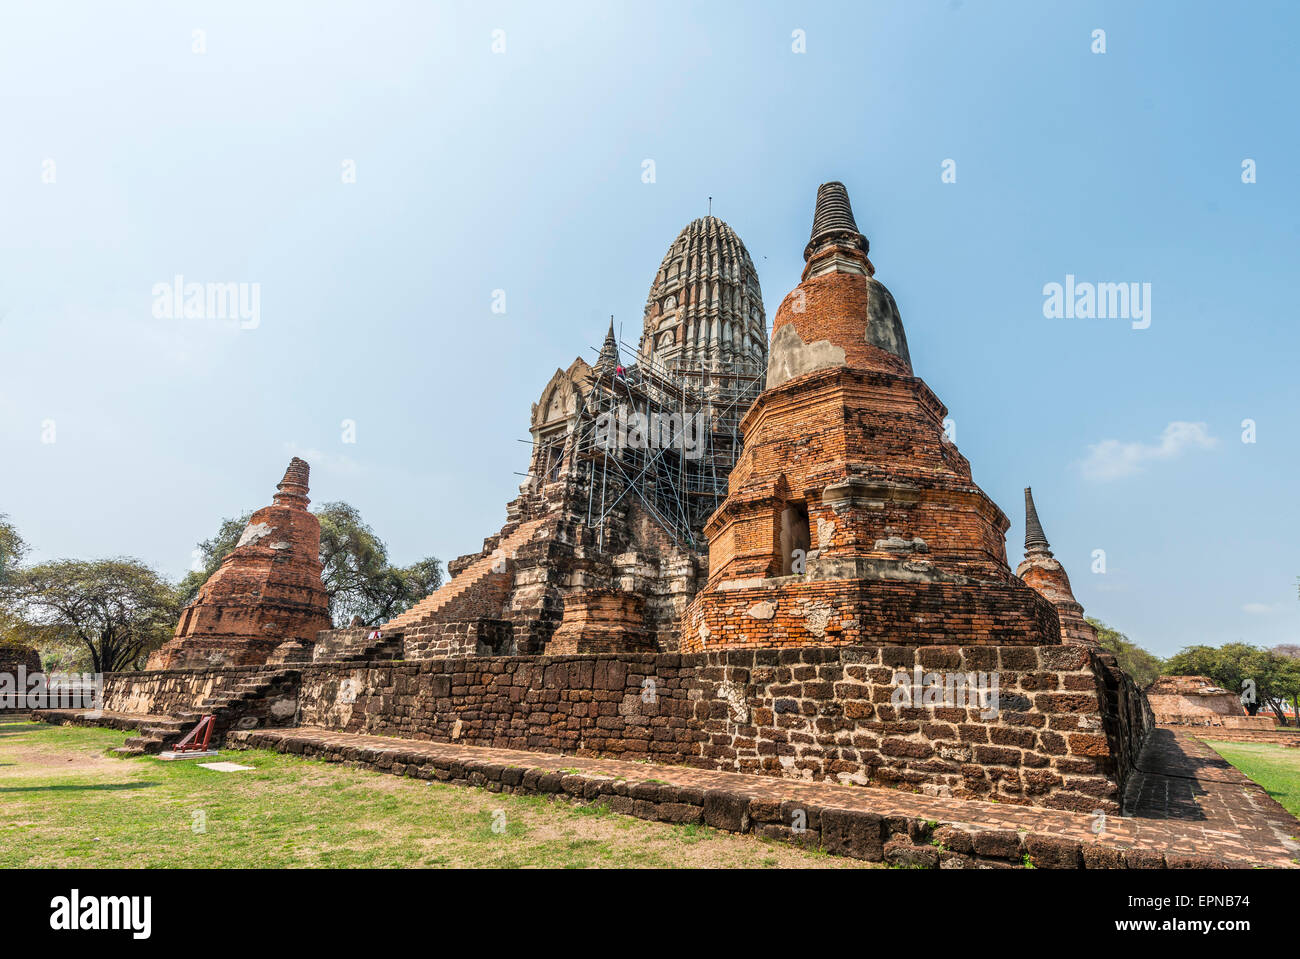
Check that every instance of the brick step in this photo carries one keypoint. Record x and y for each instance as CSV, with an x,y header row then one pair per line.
x,y
162,732
167,723
129,751
146,744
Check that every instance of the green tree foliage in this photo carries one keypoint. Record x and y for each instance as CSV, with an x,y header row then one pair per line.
x,y
356,573
1132,658
12,548
1272,676
119,610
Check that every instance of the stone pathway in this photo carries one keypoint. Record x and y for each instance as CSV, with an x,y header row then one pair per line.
x,y
1185,806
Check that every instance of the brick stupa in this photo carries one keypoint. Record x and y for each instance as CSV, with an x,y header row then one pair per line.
x,y
850,519
1044,572
267,591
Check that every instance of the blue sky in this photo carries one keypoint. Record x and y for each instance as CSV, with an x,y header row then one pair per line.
x,y
522,171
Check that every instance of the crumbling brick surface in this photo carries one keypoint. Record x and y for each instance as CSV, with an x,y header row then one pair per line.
x,y
266,592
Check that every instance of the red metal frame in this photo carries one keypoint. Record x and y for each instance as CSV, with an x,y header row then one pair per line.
x,y
191,742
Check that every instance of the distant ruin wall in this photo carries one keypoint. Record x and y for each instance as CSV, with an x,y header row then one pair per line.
x,y
12,658
1064,735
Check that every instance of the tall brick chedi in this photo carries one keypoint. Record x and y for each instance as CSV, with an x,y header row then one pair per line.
x,y
267,591
850,518
1044,572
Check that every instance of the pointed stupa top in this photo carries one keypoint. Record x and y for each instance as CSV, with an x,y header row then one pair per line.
x,y
833,220
608,359
292,490
1034,536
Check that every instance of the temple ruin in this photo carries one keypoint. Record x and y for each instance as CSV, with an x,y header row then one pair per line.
x,y
720,557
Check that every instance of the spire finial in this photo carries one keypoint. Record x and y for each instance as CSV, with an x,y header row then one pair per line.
x,y
292,490
1034,536
609,351
833,220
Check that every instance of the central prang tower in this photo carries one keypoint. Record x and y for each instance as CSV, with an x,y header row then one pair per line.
x,y
850,518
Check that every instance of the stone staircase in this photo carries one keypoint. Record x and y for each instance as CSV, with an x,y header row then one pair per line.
x,y
387,647
158,734
471,576
163,732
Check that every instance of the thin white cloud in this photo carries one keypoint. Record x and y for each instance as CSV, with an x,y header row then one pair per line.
x,y
330,462
1113,459
1263,609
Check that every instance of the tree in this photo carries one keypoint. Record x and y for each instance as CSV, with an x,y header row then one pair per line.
x,y
118,609
356,573
1132,658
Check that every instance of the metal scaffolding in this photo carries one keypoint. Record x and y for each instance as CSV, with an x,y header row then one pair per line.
x,y
666,437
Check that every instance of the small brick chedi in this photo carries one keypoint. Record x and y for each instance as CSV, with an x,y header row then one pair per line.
x,y
1041,570
266,593
850,518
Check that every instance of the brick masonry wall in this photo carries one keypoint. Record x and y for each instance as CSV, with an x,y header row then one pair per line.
x,y
1061,738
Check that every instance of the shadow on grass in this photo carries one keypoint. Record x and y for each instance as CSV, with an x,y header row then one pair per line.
x,y
71,787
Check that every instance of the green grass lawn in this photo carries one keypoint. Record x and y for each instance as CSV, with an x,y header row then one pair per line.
x,y
65,802
1276,768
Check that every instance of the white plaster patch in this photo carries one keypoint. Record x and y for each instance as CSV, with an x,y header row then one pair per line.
x,y
734,694
284,707
253,532
825,530
281,545
348,690
225,767
818,617
763,610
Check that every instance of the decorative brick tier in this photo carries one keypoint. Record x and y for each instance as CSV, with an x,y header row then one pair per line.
x,y
799,611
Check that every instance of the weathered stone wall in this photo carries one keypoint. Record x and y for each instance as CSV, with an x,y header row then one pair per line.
x,y
162,692
1064,733
1126,713
807,713
471,637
